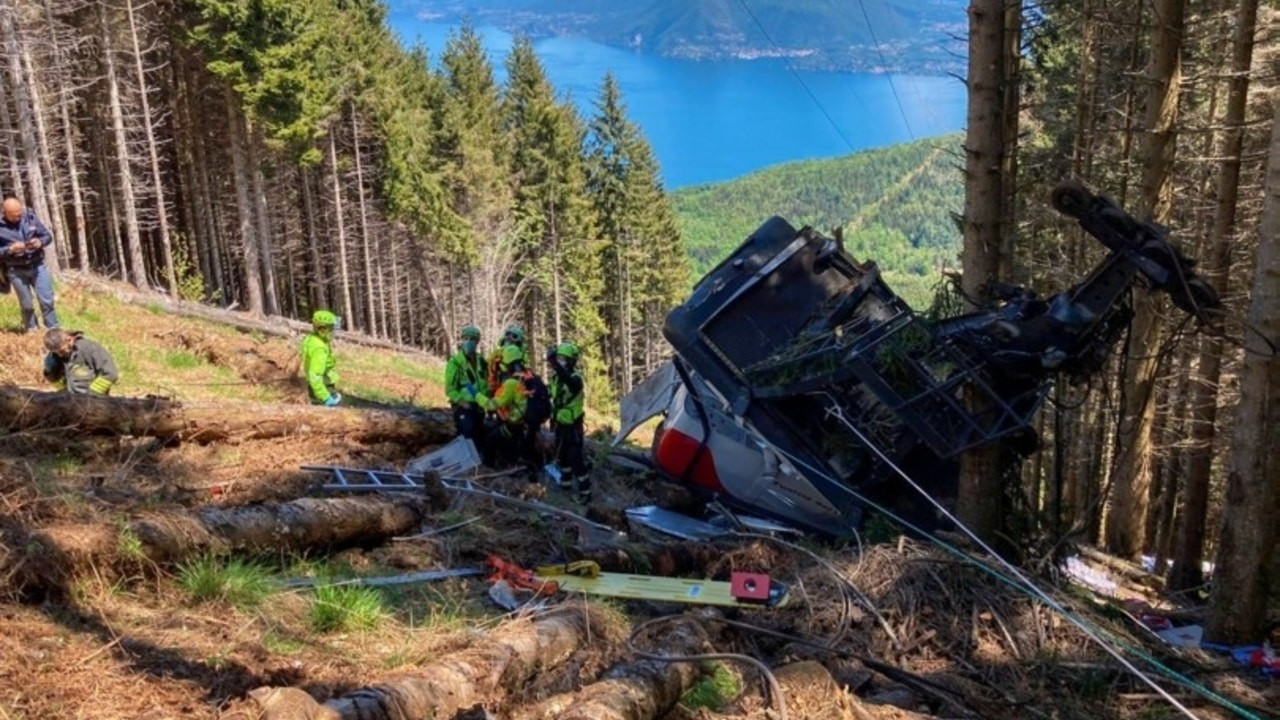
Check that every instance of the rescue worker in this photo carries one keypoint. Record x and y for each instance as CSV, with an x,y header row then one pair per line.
x,y
318,362
23,239
77,364
567,396
464,385
513,336
508,403
522,404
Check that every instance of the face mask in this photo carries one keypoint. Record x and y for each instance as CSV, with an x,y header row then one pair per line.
x,y
469,346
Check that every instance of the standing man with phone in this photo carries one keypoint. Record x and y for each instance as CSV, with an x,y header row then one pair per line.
x,y
23,239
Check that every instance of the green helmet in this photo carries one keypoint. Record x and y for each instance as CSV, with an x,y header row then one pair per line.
x,y
567,350
514,335
324,318
511,354
471,332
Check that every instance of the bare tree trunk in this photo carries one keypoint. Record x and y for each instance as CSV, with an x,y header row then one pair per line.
x,y
262,219
319,278
153,150
507,658
1243,575
371,303
69,147
299,525
1186,570
26,121
344,275
982,470
6,126
639,690
205,423
244,205
54,196
137,271
1126,519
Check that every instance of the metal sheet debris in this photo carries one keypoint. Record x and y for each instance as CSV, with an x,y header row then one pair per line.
x,y
674,524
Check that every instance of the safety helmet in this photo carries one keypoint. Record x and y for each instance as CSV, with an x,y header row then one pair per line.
x,y
514,334
567,350
511,355
471,332
324,318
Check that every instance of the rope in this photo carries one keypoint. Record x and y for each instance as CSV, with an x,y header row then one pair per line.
x,y
1021,582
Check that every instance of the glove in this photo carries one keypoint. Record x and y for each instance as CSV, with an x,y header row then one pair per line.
x,y
333,400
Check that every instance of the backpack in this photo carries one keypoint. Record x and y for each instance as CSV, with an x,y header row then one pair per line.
x,y
537,399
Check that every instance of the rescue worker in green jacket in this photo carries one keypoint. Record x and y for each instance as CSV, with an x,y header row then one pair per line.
x,y
465,385
567,396
318,362
514,335
77,364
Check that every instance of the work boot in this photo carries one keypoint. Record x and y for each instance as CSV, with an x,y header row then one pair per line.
x,y
581,489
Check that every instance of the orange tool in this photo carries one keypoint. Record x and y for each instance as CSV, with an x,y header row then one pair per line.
x,y
518,577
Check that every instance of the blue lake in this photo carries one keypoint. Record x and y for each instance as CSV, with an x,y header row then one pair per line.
x,y
710,121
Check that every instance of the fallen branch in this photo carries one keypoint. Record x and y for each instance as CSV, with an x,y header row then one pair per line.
x,y
484,672
28,410
1124,567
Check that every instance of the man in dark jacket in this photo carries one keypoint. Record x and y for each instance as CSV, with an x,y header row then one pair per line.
x,y
23,239
77,364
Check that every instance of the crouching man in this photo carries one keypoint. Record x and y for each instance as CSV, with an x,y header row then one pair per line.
x,y
77,364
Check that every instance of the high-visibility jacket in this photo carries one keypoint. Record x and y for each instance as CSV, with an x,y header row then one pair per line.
x,y
510,402
566,397
89,369
318,366
464,379
495,369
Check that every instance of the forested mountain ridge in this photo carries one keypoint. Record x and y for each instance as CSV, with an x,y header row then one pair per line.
x,y
904,36
895,205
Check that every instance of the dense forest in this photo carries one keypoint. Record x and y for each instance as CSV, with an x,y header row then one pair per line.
x,y
1169,107
283,156
895,205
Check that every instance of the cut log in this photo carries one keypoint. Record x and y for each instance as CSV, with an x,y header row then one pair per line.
x,y
482,673
53,555
24,410
1128,569
639,690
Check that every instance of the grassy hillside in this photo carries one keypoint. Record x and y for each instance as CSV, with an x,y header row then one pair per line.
x,y
894,203
189,359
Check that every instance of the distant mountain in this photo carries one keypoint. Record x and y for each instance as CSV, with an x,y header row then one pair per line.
x,y
912,36
895,205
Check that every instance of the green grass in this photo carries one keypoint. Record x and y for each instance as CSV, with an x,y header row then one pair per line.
x,y
239,583
344,608
181,360
129,545
713,690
